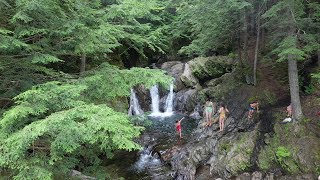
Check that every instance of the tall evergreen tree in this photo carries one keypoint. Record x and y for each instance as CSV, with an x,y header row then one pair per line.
x,y
210,25
60,125
44,31
289,21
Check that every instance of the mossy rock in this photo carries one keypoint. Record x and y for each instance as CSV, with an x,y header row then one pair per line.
x,y
234,153
211,67
240,153
293,148
219,88
188,78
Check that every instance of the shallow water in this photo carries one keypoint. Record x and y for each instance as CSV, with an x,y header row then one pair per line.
x,y
146,164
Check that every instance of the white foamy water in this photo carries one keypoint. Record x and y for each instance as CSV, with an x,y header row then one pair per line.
x,y
169,101
154,93
134,108
146,160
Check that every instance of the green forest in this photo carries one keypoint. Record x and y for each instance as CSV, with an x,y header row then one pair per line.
x,y
67,68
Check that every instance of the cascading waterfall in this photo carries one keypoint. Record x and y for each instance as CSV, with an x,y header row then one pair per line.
x,y
169,102
154,93
134,105
155,102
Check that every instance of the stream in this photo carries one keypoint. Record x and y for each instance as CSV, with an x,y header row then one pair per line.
x,y
156,141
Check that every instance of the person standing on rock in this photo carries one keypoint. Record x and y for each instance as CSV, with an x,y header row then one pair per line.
x,y
208,109
289,111
222,116
178,127
253,106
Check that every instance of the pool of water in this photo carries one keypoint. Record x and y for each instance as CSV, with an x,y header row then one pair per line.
x,y
147,164
160,136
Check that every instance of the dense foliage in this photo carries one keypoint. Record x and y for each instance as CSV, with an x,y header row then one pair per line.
x,y
289,28
62,121
66,122
56,126
209,25
217,25
44,30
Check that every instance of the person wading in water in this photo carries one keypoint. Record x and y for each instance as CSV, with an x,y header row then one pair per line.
x,y
178,127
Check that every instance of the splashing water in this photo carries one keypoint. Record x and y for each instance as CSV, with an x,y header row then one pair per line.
x,y
154,93
134,108
169,102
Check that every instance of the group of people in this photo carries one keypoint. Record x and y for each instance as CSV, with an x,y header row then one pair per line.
x,y
209,111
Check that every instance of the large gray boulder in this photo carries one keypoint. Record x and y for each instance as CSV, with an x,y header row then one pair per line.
x,y
236,150
185,100
175,69
211,67
188,78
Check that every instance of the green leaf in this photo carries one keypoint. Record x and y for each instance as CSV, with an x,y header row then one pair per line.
x,y
44,58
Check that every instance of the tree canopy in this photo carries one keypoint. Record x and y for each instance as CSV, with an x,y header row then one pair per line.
x,y
61,120
54,125
65,121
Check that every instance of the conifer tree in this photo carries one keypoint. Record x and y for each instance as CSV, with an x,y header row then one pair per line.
x,y
294,39
209,25
60,125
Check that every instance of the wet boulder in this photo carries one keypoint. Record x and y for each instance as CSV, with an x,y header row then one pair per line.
x,y
175,69
143,95
185,100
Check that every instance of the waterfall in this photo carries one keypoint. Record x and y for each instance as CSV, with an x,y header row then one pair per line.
x,y
134,105
130,109
155,101
169,102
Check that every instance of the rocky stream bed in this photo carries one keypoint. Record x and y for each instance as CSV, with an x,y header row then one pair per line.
x,y
257,148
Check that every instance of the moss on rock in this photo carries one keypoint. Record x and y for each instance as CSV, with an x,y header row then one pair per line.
x,y
235,152
211,67
219,88
240,153
293,148
120,104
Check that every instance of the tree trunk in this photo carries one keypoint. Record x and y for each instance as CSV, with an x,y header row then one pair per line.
x,y
294,88
239,49
256,51
83,64
245,37
319,57
263,38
